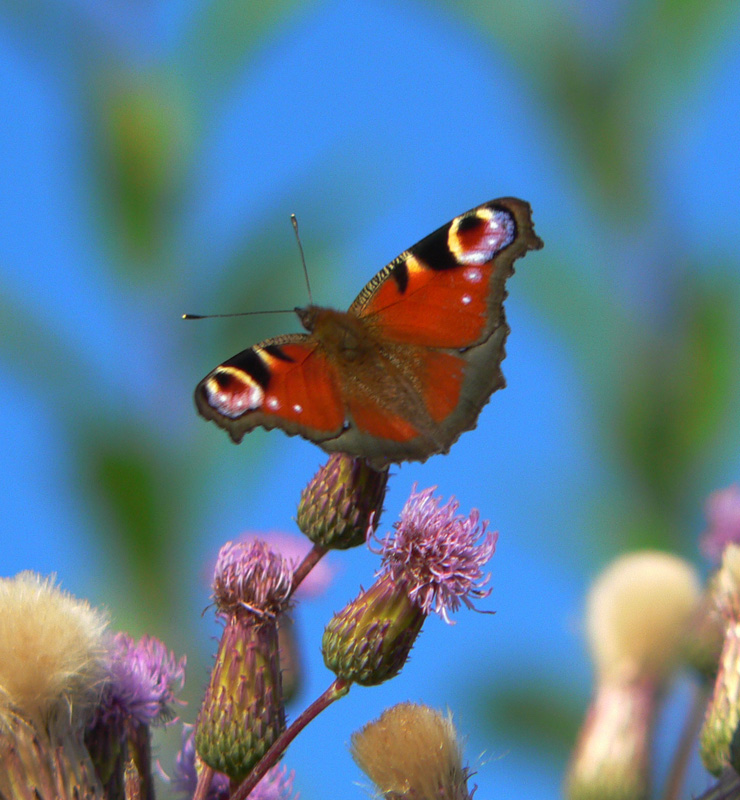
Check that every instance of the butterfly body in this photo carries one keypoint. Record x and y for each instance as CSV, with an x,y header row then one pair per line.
x,y
403,372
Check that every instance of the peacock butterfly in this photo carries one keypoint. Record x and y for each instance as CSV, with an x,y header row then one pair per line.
x,y
410,365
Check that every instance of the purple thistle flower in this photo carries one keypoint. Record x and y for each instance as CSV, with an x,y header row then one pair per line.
x,y
143,678
723,515
276,785
437,554
248,574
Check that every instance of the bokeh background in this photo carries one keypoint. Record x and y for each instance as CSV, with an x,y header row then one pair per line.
x,y
150,156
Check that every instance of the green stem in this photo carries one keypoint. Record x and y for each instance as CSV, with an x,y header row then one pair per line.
x,y
338,689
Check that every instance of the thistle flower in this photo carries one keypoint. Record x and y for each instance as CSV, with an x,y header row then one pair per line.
x,y
276,785
637,614
143,678
723,516
52,650
438,554
432,563
719,736
243,710
341,502
412,753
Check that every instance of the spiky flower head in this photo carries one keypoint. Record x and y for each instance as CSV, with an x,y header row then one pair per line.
x,y
723,517
721,731
412,753
276,785
637,615
343,500
52,649
243,710
438,555
251,578
432,563
142,680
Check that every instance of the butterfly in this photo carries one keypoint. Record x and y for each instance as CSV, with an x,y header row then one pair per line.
x,y
407,369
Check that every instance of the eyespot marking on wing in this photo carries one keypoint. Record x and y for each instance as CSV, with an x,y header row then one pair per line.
x,y
476,238
232,392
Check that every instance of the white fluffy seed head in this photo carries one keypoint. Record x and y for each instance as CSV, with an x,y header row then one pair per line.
x,y
52,647
637,614
412,750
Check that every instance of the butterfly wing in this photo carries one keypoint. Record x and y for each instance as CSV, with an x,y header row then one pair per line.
x,y
286,382
437,312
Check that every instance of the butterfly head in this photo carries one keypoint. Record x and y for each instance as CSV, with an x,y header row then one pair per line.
x,y
307,317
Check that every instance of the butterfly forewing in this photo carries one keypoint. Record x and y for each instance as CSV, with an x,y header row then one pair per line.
x,y
448,290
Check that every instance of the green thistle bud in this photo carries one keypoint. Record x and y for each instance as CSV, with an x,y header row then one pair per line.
x,y
341,502
243,712
369,641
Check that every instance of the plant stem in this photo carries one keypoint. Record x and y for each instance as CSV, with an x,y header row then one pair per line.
x,y
204,783
680,763
337,689
311,559
726,788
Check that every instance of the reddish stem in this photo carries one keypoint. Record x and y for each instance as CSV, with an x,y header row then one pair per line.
x,y
692,726
204,783
338,689
315,554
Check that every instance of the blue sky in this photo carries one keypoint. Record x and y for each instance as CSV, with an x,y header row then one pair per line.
x,y
375,122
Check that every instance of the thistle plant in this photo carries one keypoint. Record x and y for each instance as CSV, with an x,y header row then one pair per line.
x,y
78,702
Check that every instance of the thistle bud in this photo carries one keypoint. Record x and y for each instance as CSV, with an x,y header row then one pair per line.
x,y
432,563
277,784
342,501
369,641
637,615
411,753
718,740
243,711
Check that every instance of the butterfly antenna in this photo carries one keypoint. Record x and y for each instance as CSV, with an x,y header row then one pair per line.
x,y
239,314
303,259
